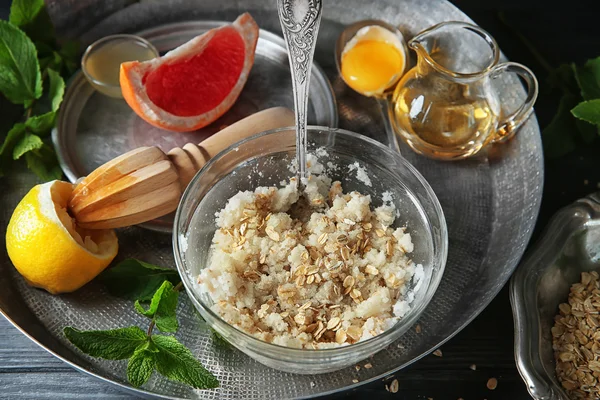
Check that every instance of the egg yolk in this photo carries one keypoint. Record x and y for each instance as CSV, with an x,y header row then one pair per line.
x,y
372,66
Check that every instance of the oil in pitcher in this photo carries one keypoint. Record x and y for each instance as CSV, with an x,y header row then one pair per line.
x,y
445,107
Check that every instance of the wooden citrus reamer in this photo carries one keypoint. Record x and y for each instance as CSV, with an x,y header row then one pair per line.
x,y
145,183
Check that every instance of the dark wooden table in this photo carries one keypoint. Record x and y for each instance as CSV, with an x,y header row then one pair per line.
x,y
562,32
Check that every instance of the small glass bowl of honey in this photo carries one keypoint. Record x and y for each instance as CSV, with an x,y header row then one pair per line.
x,y
102,60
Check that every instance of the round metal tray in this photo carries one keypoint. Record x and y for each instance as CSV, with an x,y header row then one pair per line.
x,y
490,203
92,129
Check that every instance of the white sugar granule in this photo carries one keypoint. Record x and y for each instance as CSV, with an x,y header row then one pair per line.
x,y
387,197
183,242
361,173
321,152
418,276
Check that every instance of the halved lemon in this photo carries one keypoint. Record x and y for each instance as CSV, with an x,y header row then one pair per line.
x,y
48,248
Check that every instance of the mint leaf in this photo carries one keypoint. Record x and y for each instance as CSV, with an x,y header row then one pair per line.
x,y
23,12
12,138
588,111
43,163
177,363
588,79
20,77
33,19
51,60
162,308
114,344
27,143
56,90
141,365
167,323
52,94
558,137
136,280
41,124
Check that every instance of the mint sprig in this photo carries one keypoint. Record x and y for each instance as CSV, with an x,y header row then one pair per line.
x,y
577,120
146,352
576,123
32,69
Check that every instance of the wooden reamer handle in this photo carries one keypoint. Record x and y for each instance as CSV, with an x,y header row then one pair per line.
x,y
144,183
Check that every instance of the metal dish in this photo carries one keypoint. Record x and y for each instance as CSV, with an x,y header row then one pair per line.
x,y
92,128
490,204
569,246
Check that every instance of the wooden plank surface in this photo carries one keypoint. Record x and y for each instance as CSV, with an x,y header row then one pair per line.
x,y
29,372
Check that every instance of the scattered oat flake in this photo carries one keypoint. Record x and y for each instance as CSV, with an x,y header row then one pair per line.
x,y
473,367
418,328
437,353
368,366
357,367
394,386
492,383
355,380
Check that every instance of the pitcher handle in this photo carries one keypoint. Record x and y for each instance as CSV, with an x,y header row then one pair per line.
x,y
513,122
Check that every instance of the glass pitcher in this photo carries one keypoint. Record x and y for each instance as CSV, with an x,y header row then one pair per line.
x,y
446,107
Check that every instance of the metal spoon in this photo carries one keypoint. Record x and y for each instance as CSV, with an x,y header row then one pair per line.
x,y
300,21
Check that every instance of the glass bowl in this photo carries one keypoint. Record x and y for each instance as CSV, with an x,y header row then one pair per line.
x,y
270,153
102,60
569,246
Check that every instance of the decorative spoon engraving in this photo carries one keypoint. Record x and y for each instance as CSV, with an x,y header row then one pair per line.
x,y
300,21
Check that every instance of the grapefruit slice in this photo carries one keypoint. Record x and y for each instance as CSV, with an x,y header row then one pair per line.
x,y
194,84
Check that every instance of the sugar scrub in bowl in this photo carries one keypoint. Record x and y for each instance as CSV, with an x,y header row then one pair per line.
x,y
315,277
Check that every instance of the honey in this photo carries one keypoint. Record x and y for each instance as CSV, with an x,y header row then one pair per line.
x,y
102,60
444,121
447,106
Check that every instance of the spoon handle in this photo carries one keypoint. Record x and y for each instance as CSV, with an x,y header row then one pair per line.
x,y
300,24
